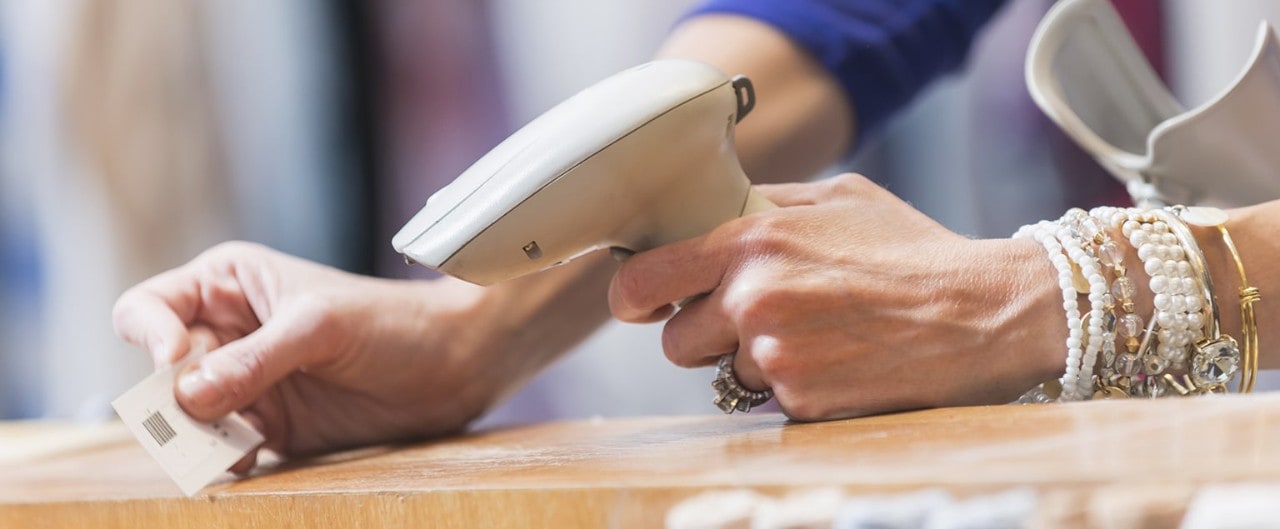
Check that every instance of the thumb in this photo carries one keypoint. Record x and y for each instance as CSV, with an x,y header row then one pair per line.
x,y
234,376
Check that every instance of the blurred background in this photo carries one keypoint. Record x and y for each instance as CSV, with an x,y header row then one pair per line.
x,y
136,133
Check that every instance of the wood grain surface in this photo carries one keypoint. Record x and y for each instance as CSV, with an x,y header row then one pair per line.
x,y
1082,458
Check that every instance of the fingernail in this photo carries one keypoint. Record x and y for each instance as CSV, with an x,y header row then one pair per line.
x,y
197,386
159,352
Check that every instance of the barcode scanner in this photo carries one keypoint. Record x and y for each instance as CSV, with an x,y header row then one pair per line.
x,y
643,158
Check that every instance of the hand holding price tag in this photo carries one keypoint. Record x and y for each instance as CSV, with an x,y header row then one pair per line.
x,y
192,453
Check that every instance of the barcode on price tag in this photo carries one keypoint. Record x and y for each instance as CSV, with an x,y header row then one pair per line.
x,y
159,428
193,453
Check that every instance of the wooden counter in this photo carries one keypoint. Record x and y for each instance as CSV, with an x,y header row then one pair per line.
x,y
1149,457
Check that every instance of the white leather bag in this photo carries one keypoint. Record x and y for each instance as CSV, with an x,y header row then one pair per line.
x,y
1086,73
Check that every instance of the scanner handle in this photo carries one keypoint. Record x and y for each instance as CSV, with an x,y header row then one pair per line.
x,y
756,203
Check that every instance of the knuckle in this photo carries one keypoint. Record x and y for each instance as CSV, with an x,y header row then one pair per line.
x,y
773,363
762,229
782,364
855,186
851,183
318,315
745,233
765,236
755,303
752,317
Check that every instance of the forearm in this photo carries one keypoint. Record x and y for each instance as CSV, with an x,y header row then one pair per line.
x,y
802,122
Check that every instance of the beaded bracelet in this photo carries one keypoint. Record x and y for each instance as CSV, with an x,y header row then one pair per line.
x,y
1114,380
1142,372
1077,238
1216,356
1248,357
1044,232
1124,378
1177,314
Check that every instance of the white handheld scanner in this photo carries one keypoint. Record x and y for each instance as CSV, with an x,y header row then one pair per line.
x,y
638,160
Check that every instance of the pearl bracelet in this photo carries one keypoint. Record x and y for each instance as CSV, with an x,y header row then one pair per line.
x,y
1077,237
1216,356
1177,319
1044,232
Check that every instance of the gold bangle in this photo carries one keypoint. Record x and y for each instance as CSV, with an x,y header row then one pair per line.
x,y
1248,321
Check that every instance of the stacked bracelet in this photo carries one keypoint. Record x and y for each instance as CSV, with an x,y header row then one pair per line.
x,y
1215,357
1182,349
1248,355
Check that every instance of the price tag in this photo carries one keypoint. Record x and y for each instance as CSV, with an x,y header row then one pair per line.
x,y
193,453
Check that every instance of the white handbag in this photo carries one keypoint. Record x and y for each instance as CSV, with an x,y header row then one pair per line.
x,y
1086,73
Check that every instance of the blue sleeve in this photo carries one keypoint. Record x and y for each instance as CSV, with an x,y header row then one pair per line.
x,y
883,52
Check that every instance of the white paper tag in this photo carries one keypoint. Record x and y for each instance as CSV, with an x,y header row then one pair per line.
x,y
192,453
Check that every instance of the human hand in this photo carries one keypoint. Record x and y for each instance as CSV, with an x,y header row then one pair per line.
x,y
317,359
846,302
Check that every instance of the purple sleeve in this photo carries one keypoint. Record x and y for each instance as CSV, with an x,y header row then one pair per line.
x,y
883,52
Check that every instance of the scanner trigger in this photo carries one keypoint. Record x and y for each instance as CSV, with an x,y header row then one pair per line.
x,y
746,94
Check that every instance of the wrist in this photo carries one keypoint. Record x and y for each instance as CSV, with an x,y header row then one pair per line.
x,y
443,323
1032,321
498,337
1196,301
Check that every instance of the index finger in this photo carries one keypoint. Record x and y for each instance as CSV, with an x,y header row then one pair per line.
x,y
652,280
155,314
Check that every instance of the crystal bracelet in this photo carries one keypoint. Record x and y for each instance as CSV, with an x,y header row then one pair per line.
x,y
1114,380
